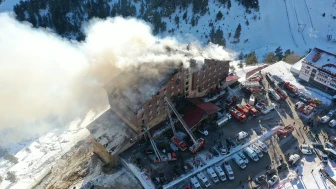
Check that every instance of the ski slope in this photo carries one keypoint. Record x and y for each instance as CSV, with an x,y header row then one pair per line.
x,y
292,24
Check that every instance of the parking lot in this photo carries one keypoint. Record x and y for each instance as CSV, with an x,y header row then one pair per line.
x,y
284,114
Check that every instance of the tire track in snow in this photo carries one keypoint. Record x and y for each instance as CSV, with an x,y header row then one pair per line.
x,y
298,23
289,25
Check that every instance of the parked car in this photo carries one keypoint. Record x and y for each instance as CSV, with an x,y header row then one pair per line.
x,y
203,179
260,179
282,166
195,183
317,145
222,148
305,149
240,153
332,123
329,145
241,135
270,172
156,181
231,143
214,151
273,180
327,117
220,173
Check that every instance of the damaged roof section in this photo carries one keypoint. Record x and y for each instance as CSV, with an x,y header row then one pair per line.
x,y
137,84
110,131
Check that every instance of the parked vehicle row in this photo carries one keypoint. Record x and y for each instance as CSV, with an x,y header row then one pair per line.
x,y
222,173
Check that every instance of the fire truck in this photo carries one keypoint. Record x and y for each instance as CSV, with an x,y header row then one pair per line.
x,y
283,132
251,109
197,143
237,114
257,78
292,88
281,93
242,109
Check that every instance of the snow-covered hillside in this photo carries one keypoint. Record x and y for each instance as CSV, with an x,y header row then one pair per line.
x,y
292,24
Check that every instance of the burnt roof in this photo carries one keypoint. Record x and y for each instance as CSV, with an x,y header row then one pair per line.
x,y
137,84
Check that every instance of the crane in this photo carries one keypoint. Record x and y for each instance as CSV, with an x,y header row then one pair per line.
x,y
179,143
196,143
157,152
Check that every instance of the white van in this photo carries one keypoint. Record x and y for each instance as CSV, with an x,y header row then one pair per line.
x,y
262,146
257,150
274,94
250,153
203,179
195,184
241,135
212,175
332,123
305,149
228,170
220,173
243,156
240,162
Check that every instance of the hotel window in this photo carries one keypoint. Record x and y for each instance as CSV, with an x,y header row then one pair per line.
x,y
172,94
187,88
187,83
142,115
150,104
172,87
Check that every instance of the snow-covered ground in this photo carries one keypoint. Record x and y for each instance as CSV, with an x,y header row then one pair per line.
x,y
308,176
38,156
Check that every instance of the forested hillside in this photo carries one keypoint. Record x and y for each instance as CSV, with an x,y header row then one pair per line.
x,y
66,17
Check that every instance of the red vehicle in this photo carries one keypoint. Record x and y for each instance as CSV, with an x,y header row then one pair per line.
x,y
242,109
256,78
231,99
237,114
179,143
281,93
251,109
292,88
283,132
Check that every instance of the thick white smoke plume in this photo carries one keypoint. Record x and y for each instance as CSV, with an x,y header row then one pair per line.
x,y
46,79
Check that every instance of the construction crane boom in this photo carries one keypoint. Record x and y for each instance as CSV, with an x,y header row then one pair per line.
x,y
182,121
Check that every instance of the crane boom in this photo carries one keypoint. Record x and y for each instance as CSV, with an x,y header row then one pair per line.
x,y
171,123
157,152
182,121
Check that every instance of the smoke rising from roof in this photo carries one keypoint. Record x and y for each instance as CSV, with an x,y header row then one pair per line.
x,y
47,79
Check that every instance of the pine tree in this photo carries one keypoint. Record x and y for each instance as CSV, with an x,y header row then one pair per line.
x,y
240,56
251,58
219,15
237,32
229,4
278,53
271,58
